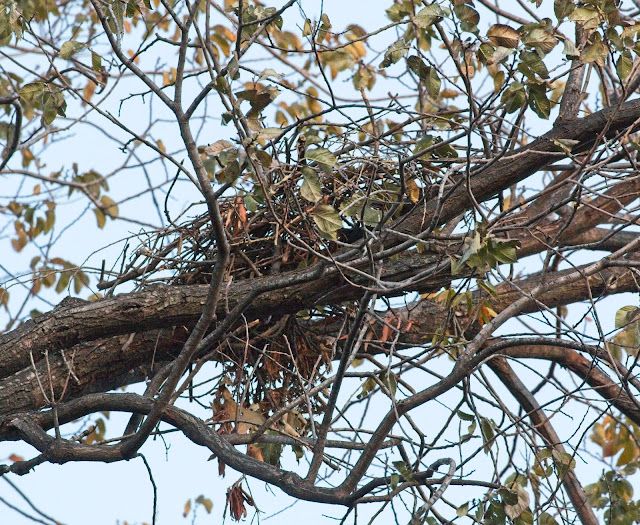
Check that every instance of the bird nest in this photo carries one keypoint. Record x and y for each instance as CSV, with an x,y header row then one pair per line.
x,y
290,217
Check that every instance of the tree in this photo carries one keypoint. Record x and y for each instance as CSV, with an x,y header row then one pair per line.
x,y
340,231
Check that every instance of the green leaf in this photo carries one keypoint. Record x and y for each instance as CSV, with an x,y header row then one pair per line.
x,y
63,281
541,39
391,381
394,53
625,315
80,280
532,61
468,17
271,453
462,510
395,478
297,449
367,387
465,416
538,100
251,203
624,64
486,428
563,462
504,252
322,156
563,8
327,219
428,16
587,18
402,467
311,188
96,61
570,49
596,52
427,74
513,97
32,90
50,111
70,48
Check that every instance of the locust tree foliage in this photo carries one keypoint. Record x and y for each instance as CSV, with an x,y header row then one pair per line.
x,y
372,264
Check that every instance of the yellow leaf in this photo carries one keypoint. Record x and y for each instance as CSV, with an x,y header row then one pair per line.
x,y
413,191
109,206
101,218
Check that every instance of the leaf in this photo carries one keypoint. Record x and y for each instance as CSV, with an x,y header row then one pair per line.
x,y
468,17
503,35
563,8
486,428
269,133
321,156
250,202
587,18
311,188
625,315
187,509
80,280
521,501
538,100
413,191
624,64
406,471
205,502
428,16
50,111
394,480
327,219
109,206
391,382
563,462
462,510
427,74
513,97
540,39
271,453
218,147
394,53
31,90
532,63
101,218
596,52
364,78
368,386
96,61
566,144
464,416
570,49
70,48
306,30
